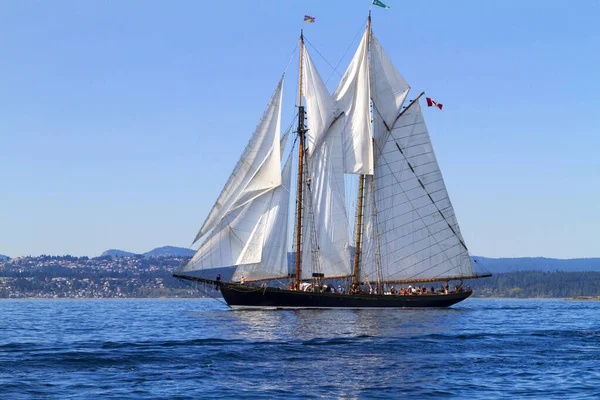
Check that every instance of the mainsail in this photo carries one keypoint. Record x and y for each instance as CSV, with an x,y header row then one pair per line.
x,y
417,232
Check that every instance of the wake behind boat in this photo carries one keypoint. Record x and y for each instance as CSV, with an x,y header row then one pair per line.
x,y
404,227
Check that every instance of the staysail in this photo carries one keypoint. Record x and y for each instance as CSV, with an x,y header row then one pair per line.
x,y
257,171
248,221
272,240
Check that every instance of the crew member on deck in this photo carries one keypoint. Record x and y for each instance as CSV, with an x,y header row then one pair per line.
x,y
218,282
458,287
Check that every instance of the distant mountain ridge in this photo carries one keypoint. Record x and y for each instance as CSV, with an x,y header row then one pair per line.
x,y
3,257
164,251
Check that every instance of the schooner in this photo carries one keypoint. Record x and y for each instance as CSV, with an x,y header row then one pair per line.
x,y
405,228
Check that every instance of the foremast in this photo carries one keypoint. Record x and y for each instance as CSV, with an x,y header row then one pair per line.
x,y
300,131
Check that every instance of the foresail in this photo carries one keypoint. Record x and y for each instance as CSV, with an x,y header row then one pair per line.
x,y
273,239
326,216
257,171
419,237
353,99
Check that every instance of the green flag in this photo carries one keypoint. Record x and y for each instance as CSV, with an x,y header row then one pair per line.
x,y
380,4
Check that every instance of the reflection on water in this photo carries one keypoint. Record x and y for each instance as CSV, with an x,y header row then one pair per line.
x,y
311,324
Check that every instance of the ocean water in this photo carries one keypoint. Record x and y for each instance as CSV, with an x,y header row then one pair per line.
x,y
192,349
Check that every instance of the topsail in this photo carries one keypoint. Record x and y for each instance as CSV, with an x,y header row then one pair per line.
x,y
352,97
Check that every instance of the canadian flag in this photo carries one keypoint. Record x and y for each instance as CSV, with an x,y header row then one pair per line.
x,y
431,102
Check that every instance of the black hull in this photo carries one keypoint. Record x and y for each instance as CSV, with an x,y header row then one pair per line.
x,y
240,296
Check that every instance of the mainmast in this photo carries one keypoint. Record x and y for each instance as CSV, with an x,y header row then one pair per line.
x,y
361,184
301,131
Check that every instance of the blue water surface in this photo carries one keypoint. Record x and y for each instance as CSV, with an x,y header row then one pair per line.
x,y
191,349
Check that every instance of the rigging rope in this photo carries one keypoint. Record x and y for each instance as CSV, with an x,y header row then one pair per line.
x,y
290,59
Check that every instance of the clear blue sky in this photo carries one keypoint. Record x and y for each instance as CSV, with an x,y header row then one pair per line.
x,y
120,121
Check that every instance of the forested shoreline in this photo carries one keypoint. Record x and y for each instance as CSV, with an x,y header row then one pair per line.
x,y
538,284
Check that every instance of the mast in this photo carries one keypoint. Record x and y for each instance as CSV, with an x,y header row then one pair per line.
x,y
301,132
355,273
359,216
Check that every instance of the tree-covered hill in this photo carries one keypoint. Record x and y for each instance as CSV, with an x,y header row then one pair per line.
x,y
523,284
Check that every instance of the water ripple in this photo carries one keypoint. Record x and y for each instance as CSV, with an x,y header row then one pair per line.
x,y
157,349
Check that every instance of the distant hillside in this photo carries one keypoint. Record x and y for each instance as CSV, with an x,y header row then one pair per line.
x,y
4,258
165,251
169,251
499,265
117,253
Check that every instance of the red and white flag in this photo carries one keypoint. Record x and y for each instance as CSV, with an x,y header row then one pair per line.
x,y
431,102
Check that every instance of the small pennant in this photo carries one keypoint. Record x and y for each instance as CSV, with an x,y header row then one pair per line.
x,y
380,4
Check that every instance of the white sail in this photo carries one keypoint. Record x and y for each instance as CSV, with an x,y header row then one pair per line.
x,y
320,106
271,237
328,217
388,87
233,240
353,98
419,237
324,226
257,171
